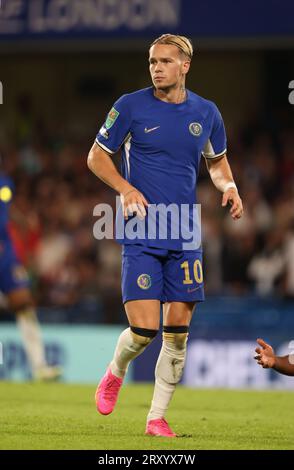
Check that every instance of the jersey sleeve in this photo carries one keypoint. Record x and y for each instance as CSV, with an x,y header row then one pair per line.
x,y
216,145
116,127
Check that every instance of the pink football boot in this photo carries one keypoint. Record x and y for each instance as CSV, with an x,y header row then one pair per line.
x,y
159,427
107,392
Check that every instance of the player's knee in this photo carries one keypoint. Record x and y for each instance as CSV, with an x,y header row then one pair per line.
x,y
176,336
142,336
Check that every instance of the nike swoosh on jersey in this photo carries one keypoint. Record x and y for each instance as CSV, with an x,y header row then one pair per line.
x,y
150,130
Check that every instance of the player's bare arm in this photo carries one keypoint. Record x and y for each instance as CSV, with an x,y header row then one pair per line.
x,y
101,164
267,359
221,175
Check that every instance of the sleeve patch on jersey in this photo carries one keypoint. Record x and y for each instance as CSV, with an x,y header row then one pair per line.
x,y
111,118
104,132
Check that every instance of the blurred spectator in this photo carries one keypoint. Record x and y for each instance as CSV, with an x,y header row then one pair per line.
x,y
289,262
267,267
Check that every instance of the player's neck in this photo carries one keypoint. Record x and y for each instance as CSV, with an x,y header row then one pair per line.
x,y
172,95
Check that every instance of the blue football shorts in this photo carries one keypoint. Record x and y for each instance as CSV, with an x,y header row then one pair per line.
x,y
13,276
166,275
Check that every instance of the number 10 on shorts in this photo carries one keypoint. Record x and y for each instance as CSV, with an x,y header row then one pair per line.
x,y
197,271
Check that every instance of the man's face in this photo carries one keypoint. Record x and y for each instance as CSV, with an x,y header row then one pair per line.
x,y
167,65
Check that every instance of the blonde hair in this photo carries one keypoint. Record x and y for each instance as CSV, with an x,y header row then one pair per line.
x,y
181,42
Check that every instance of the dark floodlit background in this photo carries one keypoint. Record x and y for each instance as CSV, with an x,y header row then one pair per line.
x,y
62,65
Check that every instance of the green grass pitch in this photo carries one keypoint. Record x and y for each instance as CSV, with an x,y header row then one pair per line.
x,y
60,416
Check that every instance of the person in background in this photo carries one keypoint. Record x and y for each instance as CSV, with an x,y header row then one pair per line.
x,y
267,359
15,286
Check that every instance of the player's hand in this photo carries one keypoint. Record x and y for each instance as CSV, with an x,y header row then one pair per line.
x,y
134,203
265,355
232,197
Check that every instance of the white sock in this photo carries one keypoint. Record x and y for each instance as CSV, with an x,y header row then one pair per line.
x,y
126,350
30,330
168,372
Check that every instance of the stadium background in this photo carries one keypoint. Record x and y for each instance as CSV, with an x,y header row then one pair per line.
x,y
62,65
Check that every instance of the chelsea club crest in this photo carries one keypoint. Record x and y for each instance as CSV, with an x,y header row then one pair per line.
x,y
195,128
144,281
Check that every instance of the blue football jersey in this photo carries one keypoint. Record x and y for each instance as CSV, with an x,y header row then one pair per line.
x,y
162,144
